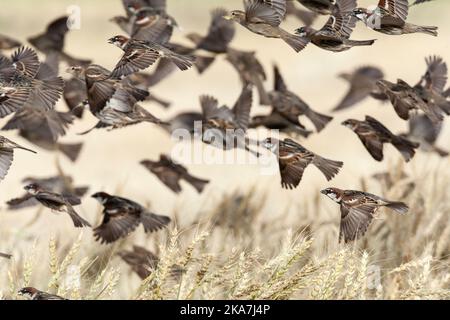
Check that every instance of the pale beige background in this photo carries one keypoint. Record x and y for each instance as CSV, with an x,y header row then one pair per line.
x,y
110,160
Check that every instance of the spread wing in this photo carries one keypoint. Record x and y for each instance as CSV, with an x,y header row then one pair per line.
x,y
265,11
134,60
26,61
436,75
342,21
220,33
242,107
398,8
6,159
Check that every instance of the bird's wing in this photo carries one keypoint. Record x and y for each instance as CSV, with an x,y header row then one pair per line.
x,y
279,84
134,60
220,33
265,11
292,167
356,218
6,159
26,61
117,223
436,75
25,201
398,8
342,21
243,106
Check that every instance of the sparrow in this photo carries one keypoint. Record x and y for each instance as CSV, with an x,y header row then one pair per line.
x,y
264,17
363,83
143,262
57,202
291,106
60,184
5,255
123,216
7,43
426,133
293,159
170,173
24,80
389,17
335,34
35,294
52,40
405,98
139,55
7,155
358,209
307,17
276,121
432,84
220,33
250,71
373,134
226,128
43,128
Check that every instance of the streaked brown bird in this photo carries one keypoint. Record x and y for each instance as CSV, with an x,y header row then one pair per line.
x,y
35,294
7,155
363,83
264,17
291,106
57,202
335,34
389,17
358,210
170,173
373,134
293,159
123,216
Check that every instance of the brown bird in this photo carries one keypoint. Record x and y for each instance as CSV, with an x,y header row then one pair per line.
x,y
7,43
264,17
57,202
358,210
226,128
293,159
291,106
60,184
373,134
52,40
143,262
389,17
123,216
250,71
170,173
363,83
405,98
35,294
335,34
426,133
7,155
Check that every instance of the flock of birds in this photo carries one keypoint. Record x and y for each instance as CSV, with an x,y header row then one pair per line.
x,y
30,89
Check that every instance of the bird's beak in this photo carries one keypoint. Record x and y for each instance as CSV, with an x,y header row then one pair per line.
x,y
227,17
323,191
110,41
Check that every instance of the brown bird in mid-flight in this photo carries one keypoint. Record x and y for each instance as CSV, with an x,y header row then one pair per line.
x,y
170,173
373,134
358,209
293,159
7,155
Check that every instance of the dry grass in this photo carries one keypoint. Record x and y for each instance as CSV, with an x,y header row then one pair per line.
x,y
238,254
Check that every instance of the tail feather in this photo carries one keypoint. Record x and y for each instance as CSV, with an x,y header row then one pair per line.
x,y
71,151
319,120
329,168
406,147
182,62
361,42
262,93
432,31
203,63
153,222
78,221
198,184
295,42
440,151
399,207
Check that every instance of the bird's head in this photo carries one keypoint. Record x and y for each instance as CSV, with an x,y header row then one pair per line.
x,y
334,194
33,188
119,41
350,123
271,144
360,13
27,291
101,197
236,15
304,31
75,71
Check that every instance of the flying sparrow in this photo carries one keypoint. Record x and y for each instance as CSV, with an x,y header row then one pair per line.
x,y
291,106
57,202
293,159
7,155
35,294
373,134
390,18
334,35
123,216
264,17
363,83
358,209
170,173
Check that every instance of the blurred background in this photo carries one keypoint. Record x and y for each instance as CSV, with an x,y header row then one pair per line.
x,y
110,160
